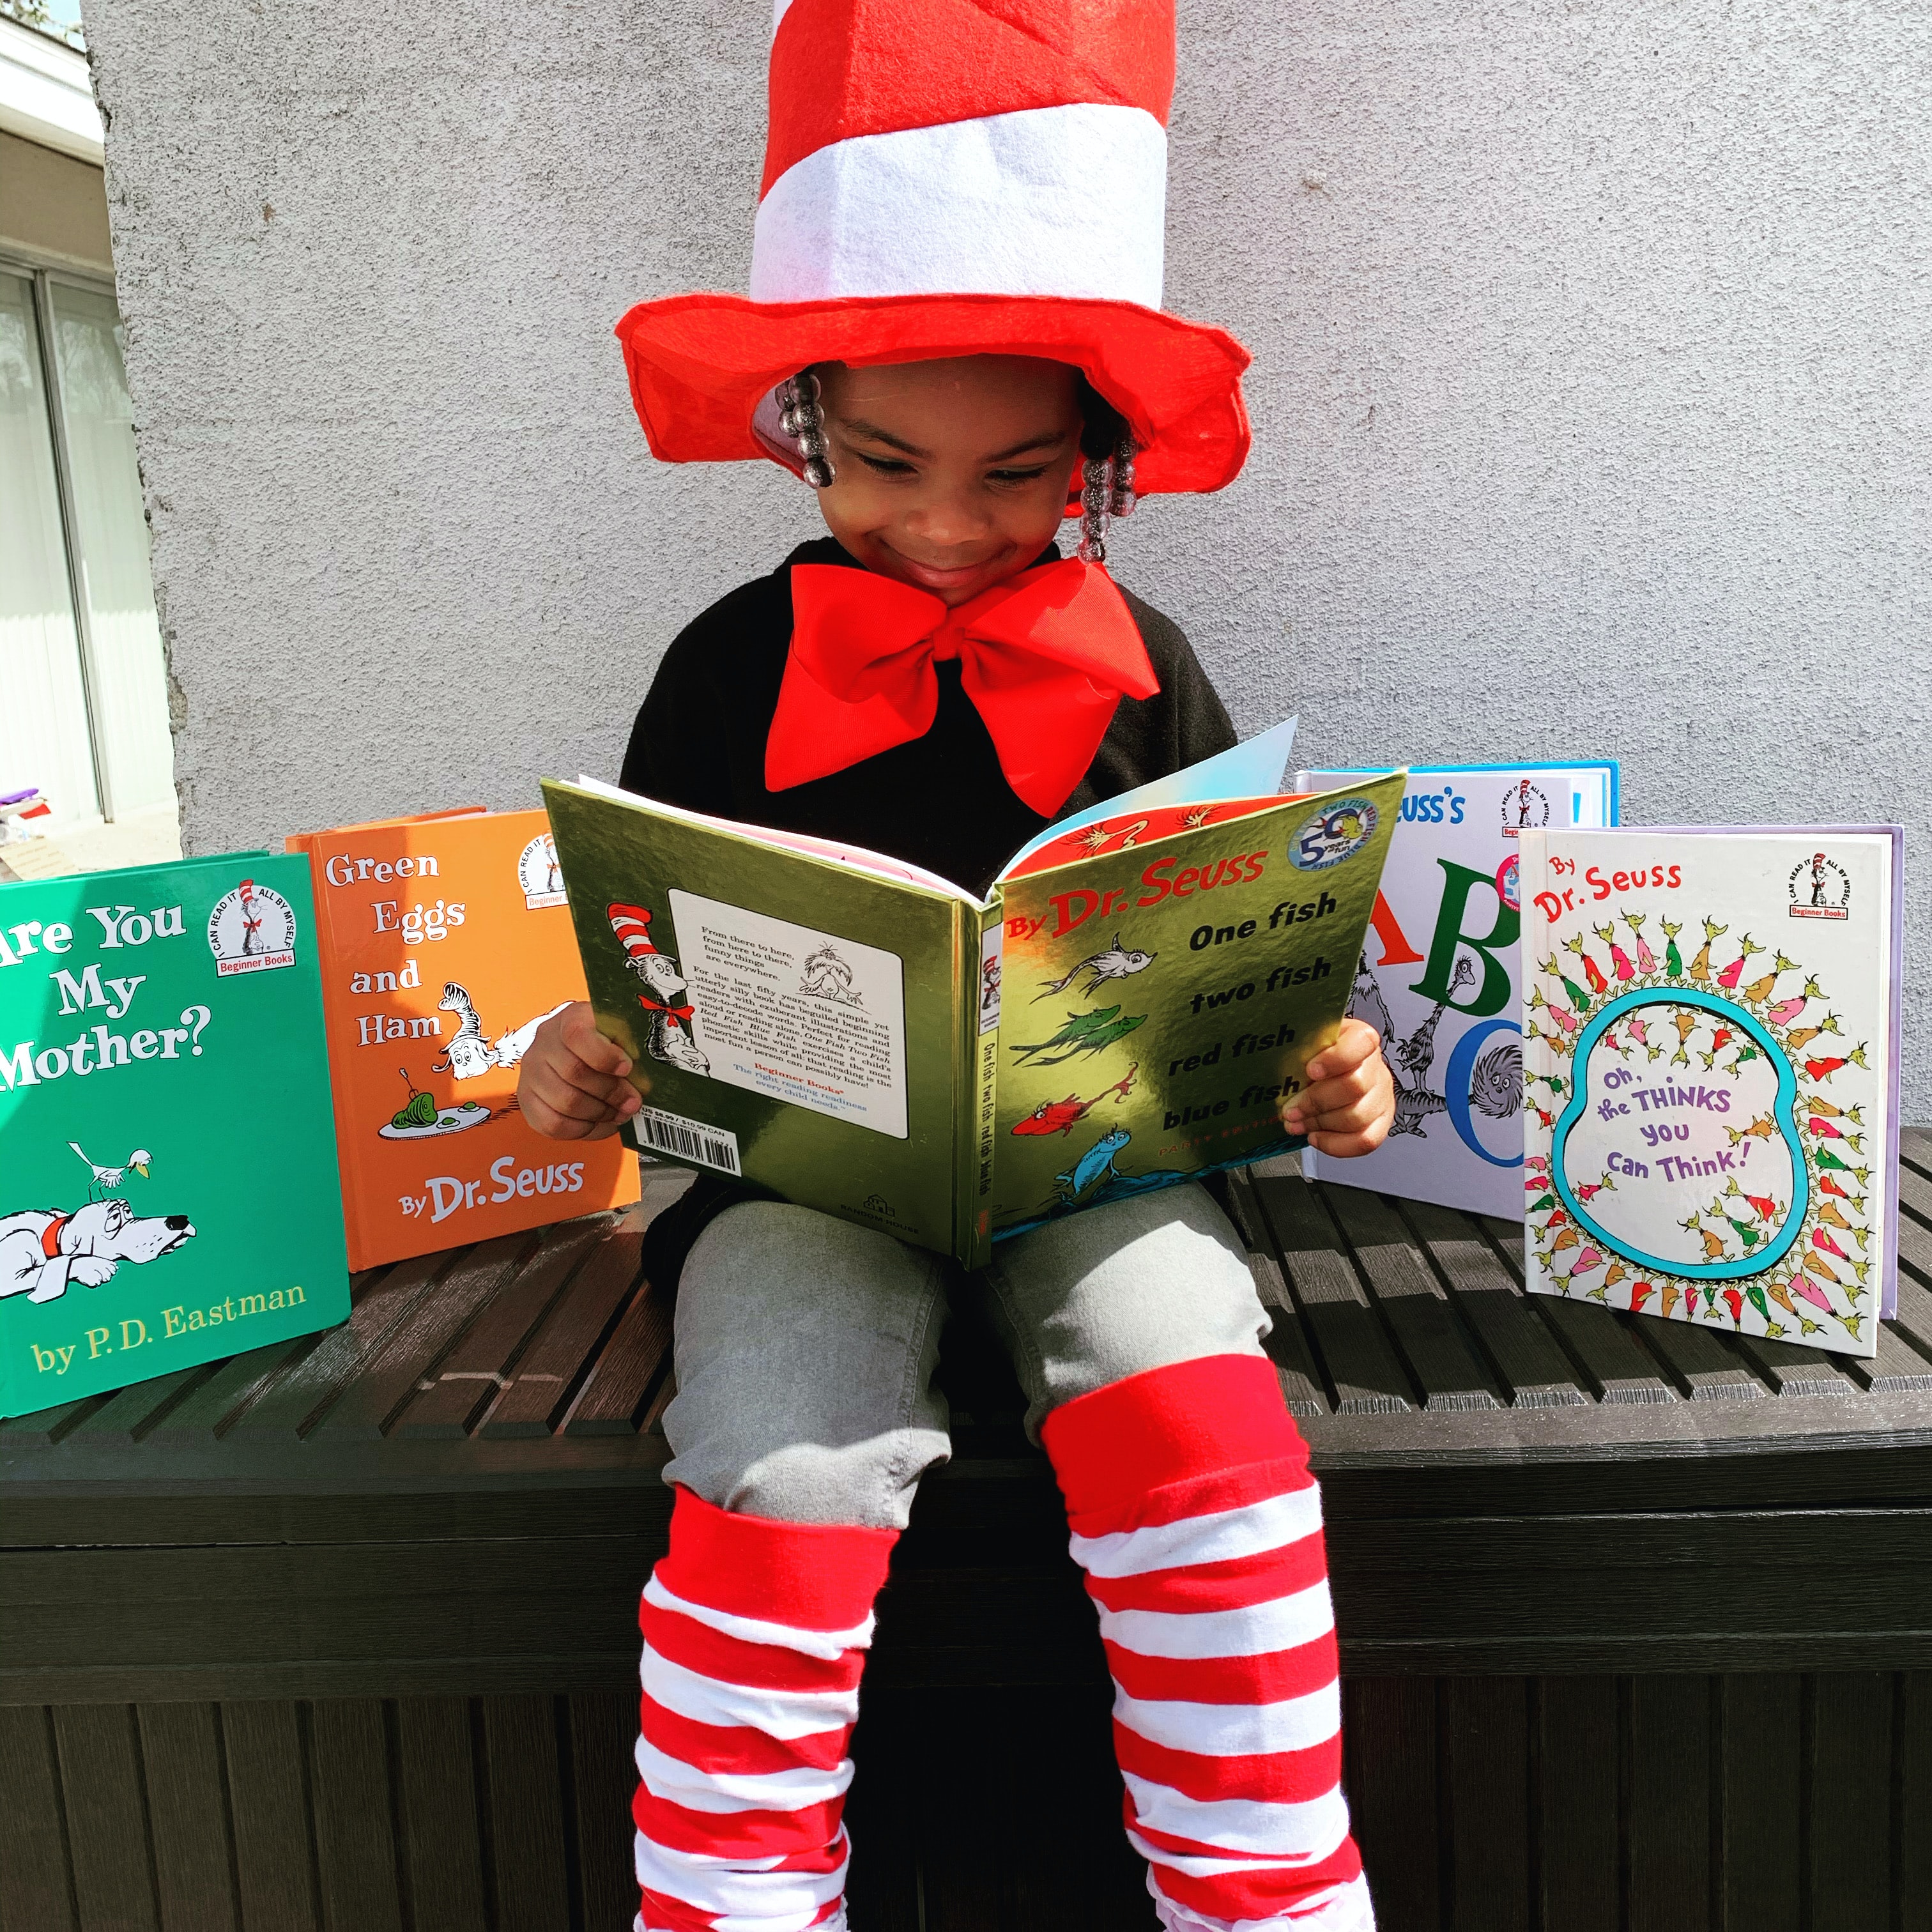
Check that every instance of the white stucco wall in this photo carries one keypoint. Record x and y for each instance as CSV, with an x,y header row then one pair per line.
x,y
1591,396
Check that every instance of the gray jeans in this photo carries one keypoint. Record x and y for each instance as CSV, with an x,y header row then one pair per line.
x,y
805,1345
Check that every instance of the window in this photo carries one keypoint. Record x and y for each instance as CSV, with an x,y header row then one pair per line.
x,y
83,693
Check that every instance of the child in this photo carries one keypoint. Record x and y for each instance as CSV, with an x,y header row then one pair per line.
x,y
933,681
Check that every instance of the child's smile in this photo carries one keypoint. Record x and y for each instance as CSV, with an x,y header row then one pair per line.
x,y
952,476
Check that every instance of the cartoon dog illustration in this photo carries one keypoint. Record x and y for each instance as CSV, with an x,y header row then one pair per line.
x,y
43,1251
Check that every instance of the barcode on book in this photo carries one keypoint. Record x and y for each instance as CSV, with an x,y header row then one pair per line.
x,y
688,1140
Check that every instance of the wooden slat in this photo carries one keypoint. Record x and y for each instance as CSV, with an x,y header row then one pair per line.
x,y
180,1754
1344,1332
1615,1368
1536,1372
43,1426
1793,1368
527,1856
542,1383
470,1376
267,1799
1897,1368
278,1414
1287,1347
611,1403
1912,1799
238,1381
442,1857
603,1729
35,1893
127,1415
1764,1821
1412,1302
106,1823
1852,1755
354,1837
413,1349
1389,1774
1576,1801
1669,1803
1486,1765
1701,1362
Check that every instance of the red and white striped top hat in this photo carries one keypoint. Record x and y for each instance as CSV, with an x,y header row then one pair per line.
x,y
954,178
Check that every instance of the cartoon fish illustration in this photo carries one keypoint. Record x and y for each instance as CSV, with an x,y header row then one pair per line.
x,y
1083,1033
1116,963
1095,1168
1062,1117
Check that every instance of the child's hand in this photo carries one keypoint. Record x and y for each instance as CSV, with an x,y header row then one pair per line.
x,y
571,1083
1349,1103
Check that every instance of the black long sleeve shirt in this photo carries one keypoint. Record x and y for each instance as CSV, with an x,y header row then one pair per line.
x,y
941,801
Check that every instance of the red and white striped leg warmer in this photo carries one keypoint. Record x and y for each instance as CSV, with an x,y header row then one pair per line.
x,y
1200,1529
755,1633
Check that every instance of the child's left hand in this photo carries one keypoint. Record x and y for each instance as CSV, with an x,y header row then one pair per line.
x,y
1349,1103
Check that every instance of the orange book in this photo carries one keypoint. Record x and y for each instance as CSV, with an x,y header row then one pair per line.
x,y
445,942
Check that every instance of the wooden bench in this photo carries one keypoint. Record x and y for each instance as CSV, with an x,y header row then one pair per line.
x,y
1636,1617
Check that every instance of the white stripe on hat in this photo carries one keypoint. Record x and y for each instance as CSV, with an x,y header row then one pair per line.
x,y
1068,202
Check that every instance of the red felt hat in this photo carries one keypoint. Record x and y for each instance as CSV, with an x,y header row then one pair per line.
x,y
954,178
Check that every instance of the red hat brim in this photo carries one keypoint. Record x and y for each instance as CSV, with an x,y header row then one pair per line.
x,y
701,364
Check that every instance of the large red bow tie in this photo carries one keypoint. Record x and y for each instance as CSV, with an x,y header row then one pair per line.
x,y
1045,657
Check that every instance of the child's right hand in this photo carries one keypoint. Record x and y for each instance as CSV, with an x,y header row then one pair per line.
x,y
571,1083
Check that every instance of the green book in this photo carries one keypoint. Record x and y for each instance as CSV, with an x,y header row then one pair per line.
x,y
168,1189
1127,1009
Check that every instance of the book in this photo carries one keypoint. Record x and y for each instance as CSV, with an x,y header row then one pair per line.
x,y
1712,1056
169,1194
445,943
1439,976
1126,1009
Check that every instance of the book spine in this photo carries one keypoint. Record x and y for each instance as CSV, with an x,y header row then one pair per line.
x,y
308,845
975,1149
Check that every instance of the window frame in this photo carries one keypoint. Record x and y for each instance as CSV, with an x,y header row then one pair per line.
x,y
41,273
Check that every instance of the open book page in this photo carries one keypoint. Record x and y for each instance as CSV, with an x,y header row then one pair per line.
x,y
1712,1041
1253,769
1158,1004
796,1015
838,851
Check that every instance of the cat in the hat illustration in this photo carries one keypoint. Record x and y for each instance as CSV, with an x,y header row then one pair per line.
x,y
953,336
667,1014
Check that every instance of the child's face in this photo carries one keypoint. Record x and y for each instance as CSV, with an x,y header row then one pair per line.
x,y
950,475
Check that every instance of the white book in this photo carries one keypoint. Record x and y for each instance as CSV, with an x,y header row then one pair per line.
x,y
1711,1060
1438,978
